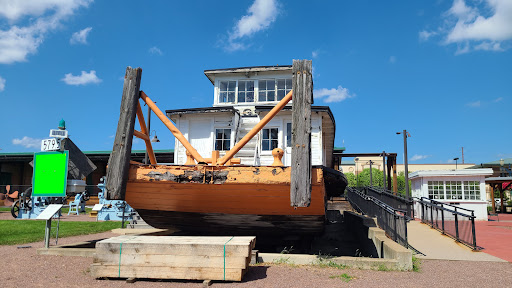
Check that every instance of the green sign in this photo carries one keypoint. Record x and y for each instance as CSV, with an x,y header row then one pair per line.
x,y
50,174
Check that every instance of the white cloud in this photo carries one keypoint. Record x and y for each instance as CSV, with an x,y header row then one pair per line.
x,y
29,21
2,84
474,104
392,59
155,50
417,157
80,37
332,95
259,17
27,142
315,54
499,99
486,26
425,35
83,79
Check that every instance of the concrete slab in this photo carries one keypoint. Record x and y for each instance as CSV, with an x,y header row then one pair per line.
x,y
437,246
354,262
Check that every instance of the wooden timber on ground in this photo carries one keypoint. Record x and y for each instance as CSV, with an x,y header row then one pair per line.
x,y
173,257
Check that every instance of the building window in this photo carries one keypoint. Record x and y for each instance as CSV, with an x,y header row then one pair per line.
x,y
227,91
222,139
471,190
267,90
454,190
283,87
269,139
245,91
435,190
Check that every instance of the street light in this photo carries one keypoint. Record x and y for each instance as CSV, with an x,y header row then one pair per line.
x,y
406,134
357,174
456,158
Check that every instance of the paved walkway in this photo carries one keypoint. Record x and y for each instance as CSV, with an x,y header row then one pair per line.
x,y
437,246
496,236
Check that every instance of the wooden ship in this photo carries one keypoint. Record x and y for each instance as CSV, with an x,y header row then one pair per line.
x,y
217,187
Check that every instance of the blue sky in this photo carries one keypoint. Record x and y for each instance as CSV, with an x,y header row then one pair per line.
x,y
440,69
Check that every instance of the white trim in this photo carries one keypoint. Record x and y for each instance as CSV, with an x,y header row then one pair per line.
x,y
459,172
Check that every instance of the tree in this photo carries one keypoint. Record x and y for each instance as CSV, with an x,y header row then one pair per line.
x,y
363,179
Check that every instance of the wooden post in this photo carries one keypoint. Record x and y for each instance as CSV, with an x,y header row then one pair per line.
x,y
302,86
119,161
389,167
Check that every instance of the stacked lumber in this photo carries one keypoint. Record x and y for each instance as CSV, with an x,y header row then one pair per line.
x,y
173,257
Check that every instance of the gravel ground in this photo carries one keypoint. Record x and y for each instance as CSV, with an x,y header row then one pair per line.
x,y
24,268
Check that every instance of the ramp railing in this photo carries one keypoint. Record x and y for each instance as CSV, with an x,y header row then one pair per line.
x,y
392,221
396,201
451,220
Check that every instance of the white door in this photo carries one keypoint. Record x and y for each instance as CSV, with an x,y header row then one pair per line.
x,y
288,144
199,136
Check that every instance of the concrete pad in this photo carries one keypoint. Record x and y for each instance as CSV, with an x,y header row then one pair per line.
x,y
59,251
127,231
441,247
353,262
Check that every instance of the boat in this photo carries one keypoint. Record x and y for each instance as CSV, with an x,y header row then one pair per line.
x,y
243,188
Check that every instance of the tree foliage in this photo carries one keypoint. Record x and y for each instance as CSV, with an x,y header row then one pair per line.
x,y
363,179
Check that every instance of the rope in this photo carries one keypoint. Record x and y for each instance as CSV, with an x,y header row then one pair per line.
x,y
120,251
225,256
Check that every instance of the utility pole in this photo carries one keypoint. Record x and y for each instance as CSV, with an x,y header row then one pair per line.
x,y
384,170
462,155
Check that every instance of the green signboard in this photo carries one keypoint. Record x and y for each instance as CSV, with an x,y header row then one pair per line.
x,y
50,174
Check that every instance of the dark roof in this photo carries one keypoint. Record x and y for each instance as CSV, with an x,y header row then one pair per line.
x,y
508,161
211,73
200,110
93,155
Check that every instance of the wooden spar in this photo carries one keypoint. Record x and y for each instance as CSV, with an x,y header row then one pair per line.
x,y
255,129
119,161
172,128
300,182
140,135
142,124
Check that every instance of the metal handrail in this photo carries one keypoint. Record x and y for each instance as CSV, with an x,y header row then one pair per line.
x,y
441,206
447,204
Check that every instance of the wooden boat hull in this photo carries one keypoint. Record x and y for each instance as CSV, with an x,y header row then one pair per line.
x,y
237,200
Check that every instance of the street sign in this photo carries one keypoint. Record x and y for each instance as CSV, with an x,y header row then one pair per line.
x,y
52,144
50,174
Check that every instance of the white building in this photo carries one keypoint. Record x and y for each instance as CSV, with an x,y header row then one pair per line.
x,y
241,98
462,187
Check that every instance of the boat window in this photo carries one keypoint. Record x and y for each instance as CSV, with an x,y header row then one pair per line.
x,y
222,139
267,90
288,134
269,139
245,91
283,87
227,91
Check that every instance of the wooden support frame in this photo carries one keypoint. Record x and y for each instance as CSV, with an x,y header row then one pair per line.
x,y
172,128
300,182
142,124
256,129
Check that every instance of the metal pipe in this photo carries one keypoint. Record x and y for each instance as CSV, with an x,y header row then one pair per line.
x,y
256,129
384,170
172,128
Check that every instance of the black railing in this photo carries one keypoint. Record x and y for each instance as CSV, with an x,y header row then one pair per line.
x,y
398,202
392,221
451,220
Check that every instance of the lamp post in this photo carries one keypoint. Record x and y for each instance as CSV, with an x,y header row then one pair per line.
x,y
456,158
371,180
357,173
406,134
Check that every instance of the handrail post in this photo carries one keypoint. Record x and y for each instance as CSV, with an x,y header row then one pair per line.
x,y
394,230
405,229
432,216
456,226
473,229
442,218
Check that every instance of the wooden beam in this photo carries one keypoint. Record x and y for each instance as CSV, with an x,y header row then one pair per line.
x,y
140,135
119,161
389,166
256,129
171,127
300,182
142,123
492,199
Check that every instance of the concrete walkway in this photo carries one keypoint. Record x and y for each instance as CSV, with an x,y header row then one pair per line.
x,y
437,246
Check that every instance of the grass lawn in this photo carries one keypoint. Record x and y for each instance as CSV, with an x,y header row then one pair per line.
x,y
26,231
5,208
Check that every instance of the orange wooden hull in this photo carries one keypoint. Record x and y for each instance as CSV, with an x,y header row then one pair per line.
x,y
244,198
